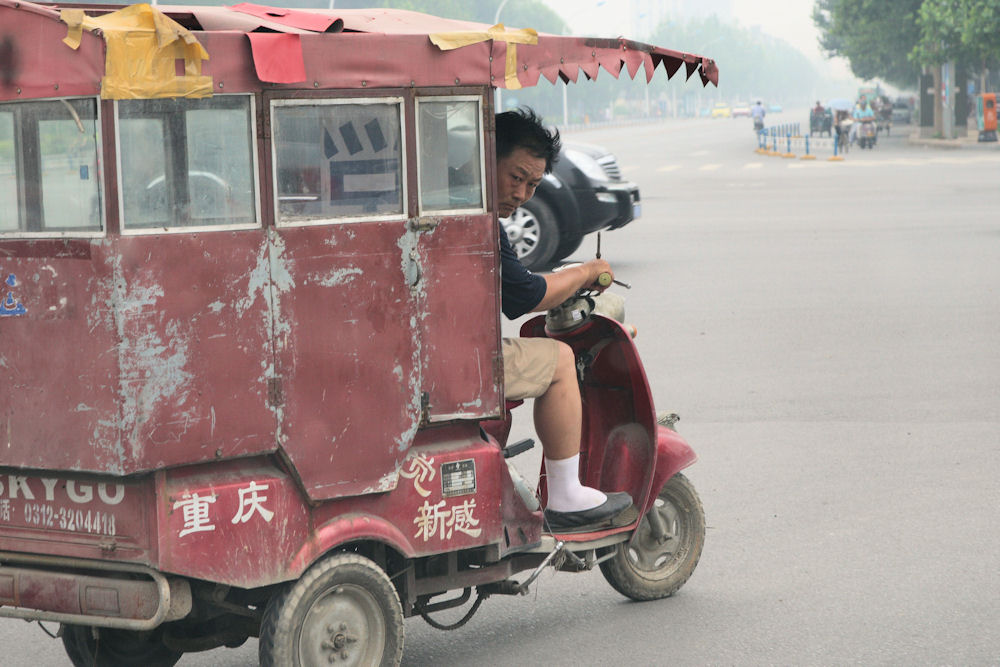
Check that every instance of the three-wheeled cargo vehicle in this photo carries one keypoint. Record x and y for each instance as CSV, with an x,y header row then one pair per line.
x,y
250,370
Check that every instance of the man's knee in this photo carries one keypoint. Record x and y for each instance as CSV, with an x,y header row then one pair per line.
x,y
565,364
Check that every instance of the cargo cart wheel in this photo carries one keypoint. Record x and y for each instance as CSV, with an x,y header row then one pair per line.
x,y
99,647
343,611
666,547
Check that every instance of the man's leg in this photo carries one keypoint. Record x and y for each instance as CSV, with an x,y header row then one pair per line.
x,y
558,423
558,412
546,370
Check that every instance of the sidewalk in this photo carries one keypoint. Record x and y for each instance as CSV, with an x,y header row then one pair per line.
x,y
970,141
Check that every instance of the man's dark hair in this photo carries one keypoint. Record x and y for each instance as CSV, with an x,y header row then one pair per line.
x,y
521,128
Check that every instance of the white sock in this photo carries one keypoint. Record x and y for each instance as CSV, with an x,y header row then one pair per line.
x,y
566,494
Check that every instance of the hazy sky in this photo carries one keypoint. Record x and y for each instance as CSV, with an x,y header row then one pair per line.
x,y
790,20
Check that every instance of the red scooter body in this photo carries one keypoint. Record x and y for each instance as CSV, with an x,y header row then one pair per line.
x,y
623,448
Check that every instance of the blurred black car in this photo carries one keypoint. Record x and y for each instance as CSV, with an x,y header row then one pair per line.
x,y
584,193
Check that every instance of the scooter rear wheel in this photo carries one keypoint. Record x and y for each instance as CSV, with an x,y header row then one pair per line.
x,y
666,548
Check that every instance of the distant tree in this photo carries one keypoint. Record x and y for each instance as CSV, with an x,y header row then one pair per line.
x,y
940,23
962,30
981,31
876,37
891,40
751,63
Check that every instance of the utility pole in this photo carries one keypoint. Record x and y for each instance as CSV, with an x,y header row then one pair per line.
x,y
947,101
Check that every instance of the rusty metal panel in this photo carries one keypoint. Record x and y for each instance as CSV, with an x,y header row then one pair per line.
x,y
236,522
445,501
30,49
460,330
59,356
246,523
195,354
80,516
347,353
128,354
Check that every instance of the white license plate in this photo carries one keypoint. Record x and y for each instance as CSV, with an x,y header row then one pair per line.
x,y
636,210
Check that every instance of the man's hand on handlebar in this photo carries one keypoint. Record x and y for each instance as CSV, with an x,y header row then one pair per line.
x,y
567,281
600,273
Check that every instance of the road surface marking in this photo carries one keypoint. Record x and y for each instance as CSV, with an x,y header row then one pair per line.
x,y
753,165
669,167
709,167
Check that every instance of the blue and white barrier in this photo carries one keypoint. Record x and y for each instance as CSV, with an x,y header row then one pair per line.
x,y
786,141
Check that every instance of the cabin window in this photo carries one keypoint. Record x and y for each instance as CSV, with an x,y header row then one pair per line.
x,y
450,145
187,163
49,176
338,160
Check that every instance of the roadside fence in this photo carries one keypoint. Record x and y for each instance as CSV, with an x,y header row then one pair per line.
x,y
788,142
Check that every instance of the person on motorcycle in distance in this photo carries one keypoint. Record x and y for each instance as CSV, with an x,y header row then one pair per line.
x,y
862,111
543,368
757,113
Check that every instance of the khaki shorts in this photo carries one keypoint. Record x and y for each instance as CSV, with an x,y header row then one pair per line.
x,y
529,365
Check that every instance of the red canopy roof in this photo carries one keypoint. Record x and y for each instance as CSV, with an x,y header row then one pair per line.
x,y
359,49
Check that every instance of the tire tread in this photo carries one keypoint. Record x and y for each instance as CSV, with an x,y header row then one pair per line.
x,y
275,646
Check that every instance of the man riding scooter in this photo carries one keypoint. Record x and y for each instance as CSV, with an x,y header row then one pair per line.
x,y
862,113
543,368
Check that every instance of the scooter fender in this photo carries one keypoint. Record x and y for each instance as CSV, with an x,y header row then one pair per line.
x,y
673,454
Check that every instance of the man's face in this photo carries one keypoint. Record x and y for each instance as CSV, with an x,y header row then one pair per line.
x,y
518,175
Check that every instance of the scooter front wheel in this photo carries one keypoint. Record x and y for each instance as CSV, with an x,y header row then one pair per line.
x,y
666,547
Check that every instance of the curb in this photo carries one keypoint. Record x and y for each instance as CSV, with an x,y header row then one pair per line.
x,y
971,141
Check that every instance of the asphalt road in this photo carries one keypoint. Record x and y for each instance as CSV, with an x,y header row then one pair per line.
x,y
828,332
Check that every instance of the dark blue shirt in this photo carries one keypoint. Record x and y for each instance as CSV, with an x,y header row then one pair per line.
x,y
520,289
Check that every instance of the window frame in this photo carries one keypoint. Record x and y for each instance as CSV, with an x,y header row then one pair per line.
x,y
257,223
478,99
398,100
20,181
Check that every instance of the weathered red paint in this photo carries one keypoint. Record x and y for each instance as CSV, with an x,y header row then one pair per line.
x,y
81,516
229,405
390,48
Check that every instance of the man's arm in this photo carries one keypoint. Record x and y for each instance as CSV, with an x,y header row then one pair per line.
x,y
563,284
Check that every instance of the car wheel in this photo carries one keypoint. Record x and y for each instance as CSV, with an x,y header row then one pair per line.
x,y
533,233
568,244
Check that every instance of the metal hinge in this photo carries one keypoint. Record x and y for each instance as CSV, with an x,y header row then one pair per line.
x,y
425,408
424,224
275,396
498,370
